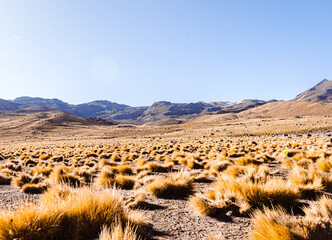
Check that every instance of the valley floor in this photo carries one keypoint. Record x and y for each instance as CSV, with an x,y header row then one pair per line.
x,y
205,179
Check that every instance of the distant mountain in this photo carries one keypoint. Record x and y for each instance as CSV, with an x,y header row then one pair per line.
x,y
54,104
166,110
96,109
108,110
242,106
159,113
8,105
322,92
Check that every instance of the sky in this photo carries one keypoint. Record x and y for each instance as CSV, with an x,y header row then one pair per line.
x,y
137,52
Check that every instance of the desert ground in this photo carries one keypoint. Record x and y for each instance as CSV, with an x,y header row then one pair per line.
x,y
221,176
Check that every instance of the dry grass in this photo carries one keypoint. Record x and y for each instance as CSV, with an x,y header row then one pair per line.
x,y
34,188
118,232
277,224
228,192
124,181
64,175
244,161
176,185
247,172
68,214
4,180
324,165
157,167
105,178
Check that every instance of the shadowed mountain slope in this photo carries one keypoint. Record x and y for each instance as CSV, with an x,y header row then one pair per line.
x,y
322,92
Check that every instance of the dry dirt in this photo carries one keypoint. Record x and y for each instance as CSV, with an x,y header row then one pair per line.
x,y
170,218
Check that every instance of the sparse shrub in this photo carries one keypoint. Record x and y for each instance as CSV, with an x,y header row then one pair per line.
x,y
176,185
34,188
5,180
230,192
243,161
156,167
124,181
80,214
277,224
44,157
105,178
118,232
122,169
63,175
43,171
323,165
21,179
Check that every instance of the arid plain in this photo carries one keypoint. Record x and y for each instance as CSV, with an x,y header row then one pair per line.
x,y
258,174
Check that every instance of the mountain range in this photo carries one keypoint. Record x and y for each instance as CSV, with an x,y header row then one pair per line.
x,y
162,112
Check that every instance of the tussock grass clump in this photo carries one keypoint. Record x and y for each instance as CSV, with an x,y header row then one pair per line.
x,y
176,185
244,161
277,224
203,205
44,157
29,162
157,167
4,180
105,178
310,182
118,232
14,166
124,181
287,163
320,209
44,171
305,163
21,179
203,177
240,195
34,188
270,224
324,165
69,214
121,169
64,175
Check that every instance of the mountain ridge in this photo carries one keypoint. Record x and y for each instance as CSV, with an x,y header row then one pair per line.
x,y
163,111
160,111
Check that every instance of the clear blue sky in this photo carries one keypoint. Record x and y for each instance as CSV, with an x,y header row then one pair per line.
x,y
141,51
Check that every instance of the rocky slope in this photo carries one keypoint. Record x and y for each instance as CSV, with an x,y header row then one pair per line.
x,y
322,92
160,112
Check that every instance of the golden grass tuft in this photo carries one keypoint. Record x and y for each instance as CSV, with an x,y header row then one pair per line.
x,y
105,178
270,224
156,167
203,205
124,181
79,214
121,169
244,161
34,188
176,185
277,224
21,179
63,175
118,232
324,165
240,195
4,180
